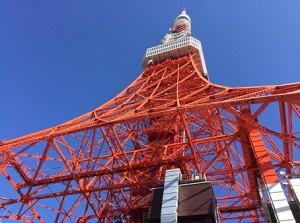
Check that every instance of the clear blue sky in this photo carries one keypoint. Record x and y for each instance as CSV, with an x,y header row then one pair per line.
x,y
61,59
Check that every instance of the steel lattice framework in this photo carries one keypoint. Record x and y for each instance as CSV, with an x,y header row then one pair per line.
x,y
104,163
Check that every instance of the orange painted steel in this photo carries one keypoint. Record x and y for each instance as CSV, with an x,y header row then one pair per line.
x,y
101,166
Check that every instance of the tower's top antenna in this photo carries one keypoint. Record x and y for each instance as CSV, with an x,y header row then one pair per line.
x,y
177,43
181,28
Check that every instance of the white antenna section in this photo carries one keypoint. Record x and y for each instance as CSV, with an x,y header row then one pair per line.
x,y
181,28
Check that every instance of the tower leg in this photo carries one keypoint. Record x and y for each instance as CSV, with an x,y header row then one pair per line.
x,y
278,199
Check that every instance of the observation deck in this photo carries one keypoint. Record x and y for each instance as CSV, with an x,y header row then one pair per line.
x,y
175,49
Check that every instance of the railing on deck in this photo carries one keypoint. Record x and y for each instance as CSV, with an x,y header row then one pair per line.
x,y
195,177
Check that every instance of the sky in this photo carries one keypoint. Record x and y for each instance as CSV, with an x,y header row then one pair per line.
x,y
61,59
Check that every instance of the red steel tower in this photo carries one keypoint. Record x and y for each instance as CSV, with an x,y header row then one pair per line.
x,y
101,166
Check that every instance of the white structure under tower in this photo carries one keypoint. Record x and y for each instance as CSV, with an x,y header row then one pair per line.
x,y
280,200
169,207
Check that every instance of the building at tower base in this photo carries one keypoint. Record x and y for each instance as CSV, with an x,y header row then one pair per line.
x,y
193,200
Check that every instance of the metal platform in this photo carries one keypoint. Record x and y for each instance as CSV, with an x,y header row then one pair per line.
x,y
174,50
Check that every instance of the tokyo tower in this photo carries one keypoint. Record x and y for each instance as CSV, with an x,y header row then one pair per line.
x,y
103,165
